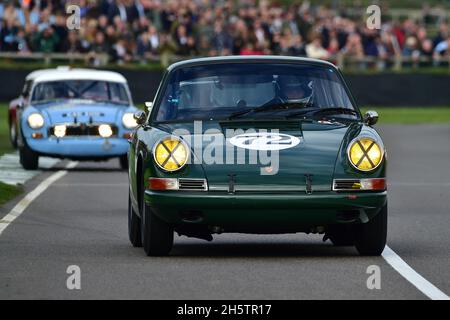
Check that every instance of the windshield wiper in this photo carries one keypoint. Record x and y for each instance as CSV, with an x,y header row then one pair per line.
x,y
282,106
321,111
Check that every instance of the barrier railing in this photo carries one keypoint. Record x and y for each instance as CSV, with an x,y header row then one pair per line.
x,y
394,63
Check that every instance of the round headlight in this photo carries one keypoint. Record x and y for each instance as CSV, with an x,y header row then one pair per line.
x,y
60,131
365,154
105,131
170,154
128,121
35,121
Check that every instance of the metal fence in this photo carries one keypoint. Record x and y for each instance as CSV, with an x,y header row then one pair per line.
x,y
344,62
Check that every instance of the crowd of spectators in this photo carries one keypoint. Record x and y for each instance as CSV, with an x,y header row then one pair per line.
x,y
130,30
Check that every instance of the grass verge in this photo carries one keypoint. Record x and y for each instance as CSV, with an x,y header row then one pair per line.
x,y
5,145
8,192
405,115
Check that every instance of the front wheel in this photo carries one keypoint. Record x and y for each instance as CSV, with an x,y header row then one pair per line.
x,y
157,235
134,226
28,158
370,238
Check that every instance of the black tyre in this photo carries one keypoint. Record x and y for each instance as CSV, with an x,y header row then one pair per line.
x,y
157,236
13,134
28,158
123,162
342,235
134,226
370,238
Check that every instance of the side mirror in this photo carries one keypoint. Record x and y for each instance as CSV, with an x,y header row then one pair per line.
x,y
140,117
148,106
371,118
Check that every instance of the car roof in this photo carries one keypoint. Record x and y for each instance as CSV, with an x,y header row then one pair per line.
x,y
75,74
249,59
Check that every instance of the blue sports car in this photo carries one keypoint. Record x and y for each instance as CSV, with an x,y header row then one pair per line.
x,y
79,114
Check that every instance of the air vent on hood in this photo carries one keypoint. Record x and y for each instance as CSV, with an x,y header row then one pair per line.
x,y
192,184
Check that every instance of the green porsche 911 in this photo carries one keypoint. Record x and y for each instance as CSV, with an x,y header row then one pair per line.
x,y
256,144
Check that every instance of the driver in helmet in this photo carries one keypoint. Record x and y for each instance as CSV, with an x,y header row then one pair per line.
x,y
293,89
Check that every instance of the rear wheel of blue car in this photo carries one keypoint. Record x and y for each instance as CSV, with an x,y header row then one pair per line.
x,y
28,158
134,226
370,238
123,162
157,235
13,134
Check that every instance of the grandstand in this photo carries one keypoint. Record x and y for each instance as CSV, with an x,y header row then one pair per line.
x,y
153,32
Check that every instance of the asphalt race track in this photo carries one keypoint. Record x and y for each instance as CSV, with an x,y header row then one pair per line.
x,y
81,219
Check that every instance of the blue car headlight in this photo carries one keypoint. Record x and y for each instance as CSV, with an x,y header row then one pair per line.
x,y
35,121
128,121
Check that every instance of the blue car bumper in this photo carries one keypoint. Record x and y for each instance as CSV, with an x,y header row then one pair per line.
x,y
79,148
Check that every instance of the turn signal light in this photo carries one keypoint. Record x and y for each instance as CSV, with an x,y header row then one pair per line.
x,y
159,184
37,135
377,184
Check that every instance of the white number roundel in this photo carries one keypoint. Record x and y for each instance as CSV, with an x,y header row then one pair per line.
x,y
264,141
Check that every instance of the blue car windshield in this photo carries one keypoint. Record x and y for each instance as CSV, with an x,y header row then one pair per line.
x,y
98,91
254,90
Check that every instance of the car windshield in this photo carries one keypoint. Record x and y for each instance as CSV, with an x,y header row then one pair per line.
x,y
99,91
254,90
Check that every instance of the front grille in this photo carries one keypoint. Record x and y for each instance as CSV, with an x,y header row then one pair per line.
x,y
77,130
346,184
192,184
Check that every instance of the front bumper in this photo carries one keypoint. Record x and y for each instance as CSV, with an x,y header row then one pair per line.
x,y
80,147
262,210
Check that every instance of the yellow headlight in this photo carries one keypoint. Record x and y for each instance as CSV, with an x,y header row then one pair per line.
x,y
365,154
170,154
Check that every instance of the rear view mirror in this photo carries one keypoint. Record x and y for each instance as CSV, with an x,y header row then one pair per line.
x,y
371,118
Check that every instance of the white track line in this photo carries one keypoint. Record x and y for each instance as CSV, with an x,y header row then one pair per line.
x,y
30,197
412,276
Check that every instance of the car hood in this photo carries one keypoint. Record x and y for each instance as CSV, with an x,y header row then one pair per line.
x,y
81,112
311,152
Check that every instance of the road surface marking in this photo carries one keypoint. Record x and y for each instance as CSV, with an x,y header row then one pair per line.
x,y
30,197
11,172
399,265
